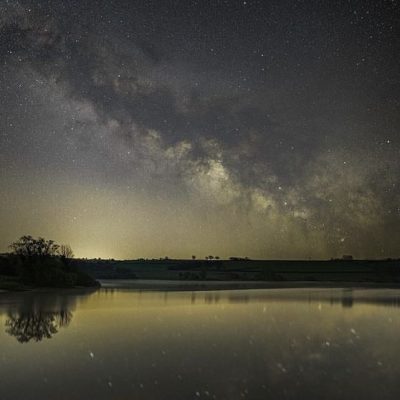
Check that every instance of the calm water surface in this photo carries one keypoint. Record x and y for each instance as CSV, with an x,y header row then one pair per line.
x,y
231,344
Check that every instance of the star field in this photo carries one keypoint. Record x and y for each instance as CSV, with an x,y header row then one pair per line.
x,y
249,128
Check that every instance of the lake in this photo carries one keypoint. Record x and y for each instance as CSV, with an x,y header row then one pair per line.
x,y
124,343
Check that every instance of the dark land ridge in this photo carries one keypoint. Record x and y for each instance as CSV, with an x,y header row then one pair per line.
x,y
37,263
17,273
385,271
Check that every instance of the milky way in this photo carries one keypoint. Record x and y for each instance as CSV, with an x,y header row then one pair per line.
x,y
249,128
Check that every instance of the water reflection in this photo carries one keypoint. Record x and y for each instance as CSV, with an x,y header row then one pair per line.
x,y
346,297
36,326
38,316
234,344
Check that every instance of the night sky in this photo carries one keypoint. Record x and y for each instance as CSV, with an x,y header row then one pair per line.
x,y
268,129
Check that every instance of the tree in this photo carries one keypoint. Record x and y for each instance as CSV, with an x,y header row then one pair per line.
x,y
30,247
40,262
66,252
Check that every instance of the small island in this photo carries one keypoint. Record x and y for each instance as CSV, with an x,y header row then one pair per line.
x,y
37,263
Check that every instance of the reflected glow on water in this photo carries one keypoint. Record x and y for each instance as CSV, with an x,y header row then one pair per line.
x,y
254,344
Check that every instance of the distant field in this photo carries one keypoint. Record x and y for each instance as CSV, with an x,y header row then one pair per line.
x,y
253,270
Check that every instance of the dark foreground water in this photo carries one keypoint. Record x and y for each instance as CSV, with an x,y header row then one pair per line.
x,y
239,344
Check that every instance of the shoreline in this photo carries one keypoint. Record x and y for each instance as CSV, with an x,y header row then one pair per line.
x,y
176,285
205,285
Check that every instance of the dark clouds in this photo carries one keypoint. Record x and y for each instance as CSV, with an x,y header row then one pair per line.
x,y
283,113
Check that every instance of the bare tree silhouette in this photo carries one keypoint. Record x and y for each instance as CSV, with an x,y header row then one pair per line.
x,y
66,252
